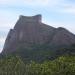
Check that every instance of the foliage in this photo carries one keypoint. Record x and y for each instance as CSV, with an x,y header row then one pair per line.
x,y
14,65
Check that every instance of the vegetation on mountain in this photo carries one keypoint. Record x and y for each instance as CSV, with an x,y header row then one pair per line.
x,y
63,62
41,53
14,65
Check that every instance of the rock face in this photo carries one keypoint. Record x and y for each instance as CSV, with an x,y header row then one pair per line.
x,y
30,31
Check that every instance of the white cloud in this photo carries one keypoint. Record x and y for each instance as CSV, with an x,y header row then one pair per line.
x,y
7,1
2,40
30,2
70,10
7,20
63,6
0,50
41,2
67,7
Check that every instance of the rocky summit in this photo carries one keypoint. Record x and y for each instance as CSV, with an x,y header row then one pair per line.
x,y
29,31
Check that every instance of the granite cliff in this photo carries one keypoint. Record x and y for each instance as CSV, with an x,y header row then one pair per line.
x,y
30,31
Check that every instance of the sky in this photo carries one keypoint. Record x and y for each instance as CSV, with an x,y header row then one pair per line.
x,y
56,13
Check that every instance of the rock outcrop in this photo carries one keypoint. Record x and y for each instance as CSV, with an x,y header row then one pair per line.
x,y
30,31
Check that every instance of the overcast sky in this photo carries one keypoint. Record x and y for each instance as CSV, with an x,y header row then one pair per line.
x,y
57,13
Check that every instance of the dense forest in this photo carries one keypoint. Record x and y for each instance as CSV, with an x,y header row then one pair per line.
x,y
14,65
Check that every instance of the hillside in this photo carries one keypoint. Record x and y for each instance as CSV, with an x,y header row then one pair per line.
x,y
34,40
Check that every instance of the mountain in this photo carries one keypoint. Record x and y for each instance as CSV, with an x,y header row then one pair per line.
x,y
30,35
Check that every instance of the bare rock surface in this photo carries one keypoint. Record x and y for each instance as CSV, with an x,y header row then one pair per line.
x,y
29,30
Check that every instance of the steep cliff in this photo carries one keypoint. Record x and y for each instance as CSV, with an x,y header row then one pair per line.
x,y
30,31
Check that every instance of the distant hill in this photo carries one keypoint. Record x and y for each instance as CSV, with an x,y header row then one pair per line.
x,y
31,38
